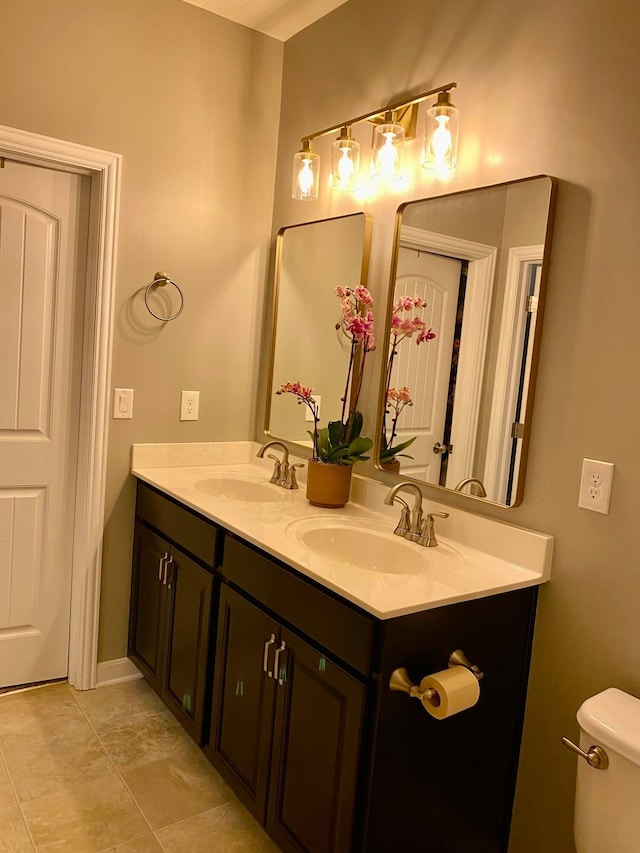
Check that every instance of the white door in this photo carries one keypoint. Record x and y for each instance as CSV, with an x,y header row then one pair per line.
x,y
43,238
425,369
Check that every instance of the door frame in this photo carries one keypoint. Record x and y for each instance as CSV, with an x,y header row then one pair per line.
x,y
471,358
508,365
104,171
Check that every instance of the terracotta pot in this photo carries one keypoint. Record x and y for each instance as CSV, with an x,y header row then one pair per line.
x,y
328,485
393,466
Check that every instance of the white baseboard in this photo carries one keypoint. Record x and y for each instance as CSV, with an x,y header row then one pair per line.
x,y
116,671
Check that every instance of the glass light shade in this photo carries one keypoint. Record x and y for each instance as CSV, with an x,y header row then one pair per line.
x,y
386,156
306,173
440,149
345,162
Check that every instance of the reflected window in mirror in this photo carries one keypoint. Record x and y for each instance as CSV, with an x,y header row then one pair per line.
x,y
309,343
467,286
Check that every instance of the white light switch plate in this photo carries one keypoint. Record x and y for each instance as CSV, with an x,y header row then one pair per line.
x,y
123,403
595,485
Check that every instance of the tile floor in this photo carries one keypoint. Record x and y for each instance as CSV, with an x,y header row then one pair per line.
x,y
111,770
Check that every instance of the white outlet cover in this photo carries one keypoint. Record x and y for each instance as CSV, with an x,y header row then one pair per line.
x,y
189,405
595,485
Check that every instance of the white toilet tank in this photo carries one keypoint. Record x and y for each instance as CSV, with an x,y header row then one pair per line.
x,y
607,809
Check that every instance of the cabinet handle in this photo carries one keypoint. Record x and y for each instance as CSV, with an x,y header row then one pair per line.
x,y
169,578
265,657
162,567
276,664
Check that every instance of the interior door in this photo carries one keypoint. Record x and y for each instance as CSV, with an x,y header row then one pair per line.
x,y
43,238
425,369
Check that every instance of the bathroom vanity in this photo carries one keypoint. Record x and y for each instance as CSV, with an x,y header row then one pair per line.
x,y
284,680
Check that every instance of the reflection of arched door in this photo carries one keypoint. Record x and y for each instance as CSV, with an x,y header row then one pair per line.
x,y
425,369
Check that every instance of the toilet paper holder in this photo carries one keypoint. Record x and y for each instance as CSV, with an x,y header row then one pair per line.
x,y
401,681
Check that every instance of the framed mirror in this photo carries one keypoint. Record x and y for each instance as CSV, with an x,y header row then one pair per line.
x,y
467,288
312,259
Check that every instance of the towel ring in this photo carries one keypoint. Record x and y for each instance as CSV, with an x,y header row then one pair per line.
x,y
160,279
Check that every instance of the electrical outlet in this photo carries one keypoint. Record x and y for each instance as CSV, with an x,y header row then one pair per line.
x,y
595,485
189,404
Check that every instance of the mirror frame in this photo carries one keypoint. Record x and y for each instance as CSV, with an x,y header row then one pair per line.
x,y
535,347
364,276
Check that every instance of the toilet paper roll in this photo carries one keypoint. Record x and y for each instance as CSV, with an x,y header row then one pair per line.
x,y
456,688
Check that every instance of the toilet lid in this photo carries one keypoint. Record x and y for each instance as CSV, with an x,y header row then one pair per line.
x,y
612,718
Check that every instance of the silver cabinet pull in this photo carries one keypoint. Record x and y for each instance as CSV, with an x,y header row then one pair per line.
x,y
161,566
595,756
276,663
168,579
265,657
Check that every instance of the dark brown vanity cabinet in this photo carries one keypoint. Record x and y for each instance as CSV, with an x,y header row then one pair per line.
x,y
287,719
302,723
170,610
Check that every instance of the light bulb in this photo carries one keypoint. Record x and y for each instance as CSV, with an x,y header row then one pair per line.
x,y
441,140
305,178
345,168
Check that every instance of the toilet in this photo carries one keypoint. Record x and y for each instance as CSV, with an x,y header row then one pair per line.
x,y
607,807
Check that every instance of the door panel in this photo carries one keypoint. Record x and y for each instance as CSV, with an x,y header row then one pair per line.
x,y
147,605
315,755
425,369
244,697
189,589
43,237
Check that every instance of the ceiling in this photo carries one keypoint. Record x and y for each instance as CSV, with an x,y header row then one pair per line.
x,y
277,18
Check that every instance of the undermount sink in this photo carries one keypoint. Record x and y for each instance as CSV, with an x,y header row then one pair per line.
x,y
235,488
368,546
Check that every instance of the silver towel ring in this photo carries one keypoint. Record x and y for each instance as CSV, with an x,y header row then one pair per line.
x,y
161,279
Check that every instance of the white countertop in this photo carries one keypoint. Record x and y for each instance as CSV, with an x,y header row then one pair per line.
x,y
476,557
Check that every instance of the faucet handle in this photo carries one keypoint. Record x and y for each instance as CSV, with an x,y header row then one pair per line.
x,y
276,477
428,536
404,524
290,481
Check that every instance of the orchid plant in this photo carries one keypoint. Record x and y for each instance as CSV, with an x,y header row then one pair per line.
x,y
340,442
402,327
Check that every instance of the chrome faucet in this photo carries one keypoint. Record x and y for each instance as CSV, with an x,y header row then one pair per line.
x,y
480,492
413,526
283,474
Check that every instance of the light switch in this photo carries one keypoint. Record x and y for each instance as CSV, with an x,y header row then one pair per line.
x,y
123,403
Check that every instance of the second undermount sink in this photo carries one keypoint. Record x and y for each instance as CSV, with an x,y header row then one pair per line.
x,y
234,487
368,545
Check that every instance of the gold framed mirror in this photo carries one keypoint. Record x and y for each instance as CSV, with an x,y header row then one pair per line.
x,y
466,298
312,259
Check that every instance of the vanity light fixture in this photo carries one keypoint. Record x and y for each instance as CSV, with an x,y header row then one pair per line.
x,y
306,172
345,162
392,126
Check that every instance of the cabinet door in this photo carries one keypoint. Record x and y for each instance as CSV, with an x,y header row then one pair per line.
x,y
240,745
147,603
319,710
188,617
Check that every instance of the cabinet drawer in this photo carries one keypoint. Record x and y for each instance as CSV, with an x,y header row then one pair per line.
x,y
331,623
178,524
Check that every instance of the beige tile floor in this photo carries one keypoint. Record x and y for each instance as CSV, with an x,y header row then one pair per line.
x,y
110,770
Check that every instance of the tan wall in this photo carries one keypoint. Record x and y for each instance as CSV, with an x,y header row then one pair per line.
x,y
182,94
544,87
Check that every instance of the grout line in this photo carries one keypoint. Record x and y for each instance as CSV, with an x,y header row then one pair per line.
x,y
18,803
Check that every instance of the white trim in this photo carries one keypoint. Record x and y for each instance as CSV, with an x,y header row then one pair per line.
x,y
116,672
508,365
104,169
473,347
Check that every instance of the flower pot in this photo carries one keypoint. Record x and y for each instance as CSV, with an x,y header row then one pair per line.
x,y
328,485
392,466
